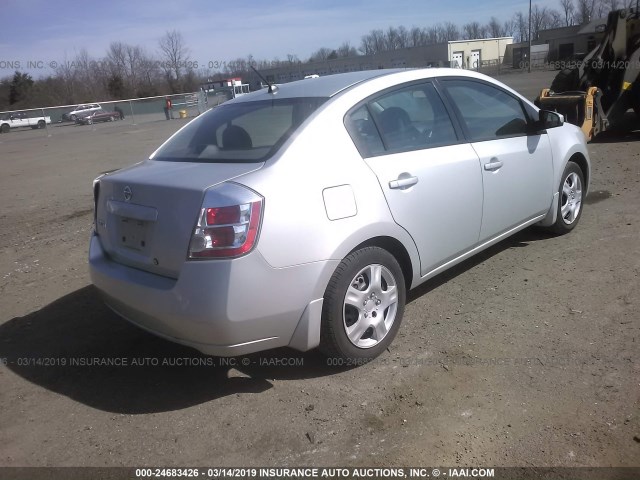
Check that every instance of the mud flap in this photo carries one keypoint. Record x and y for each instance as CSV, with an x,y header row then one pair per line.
x,y
550,218
307,333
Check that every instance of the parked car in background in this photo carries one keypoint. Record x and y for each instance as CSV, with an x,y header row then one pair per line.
x,y
80,110
300,215
96,116
20,119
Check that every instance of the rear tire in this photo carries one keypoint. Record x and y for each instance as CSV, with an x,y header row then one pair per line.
x,y
363,307
41,124
570,198
5,128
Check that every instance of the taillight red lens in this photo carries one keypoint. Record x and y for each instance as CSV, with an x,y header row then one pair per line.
x,y
221,236
223,215
236,234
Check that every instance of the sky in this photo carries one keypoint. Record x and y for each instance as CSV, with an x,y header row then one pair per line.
x,y
39,34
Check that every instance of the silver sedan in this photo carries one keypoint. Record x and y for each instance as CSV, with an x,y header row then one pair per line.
x,y
299,215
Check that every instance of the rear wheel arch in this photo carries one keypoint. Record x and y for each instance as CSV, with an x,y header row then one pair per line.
x,y
363,305
395,248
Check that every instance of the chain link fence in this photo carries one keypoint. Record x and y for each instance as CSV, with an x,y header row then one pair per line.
x,y
64,118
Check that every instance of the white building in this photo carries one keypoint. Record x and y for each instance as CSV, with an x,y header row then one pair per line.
x,y
473,54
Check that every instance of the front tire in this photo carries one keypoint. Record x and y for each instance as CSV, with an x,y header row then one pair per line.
x,y
570,197
363,306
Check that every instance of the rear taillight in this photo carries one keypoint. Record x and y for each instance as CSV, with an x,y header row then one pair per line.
x,y
229,231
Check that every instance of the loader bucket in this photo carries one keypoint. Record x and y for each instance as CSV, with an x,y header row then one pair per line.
x,y
576,107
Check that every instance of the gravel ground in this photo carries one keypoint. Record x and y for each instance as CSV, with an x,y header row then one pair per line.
x,y
526,355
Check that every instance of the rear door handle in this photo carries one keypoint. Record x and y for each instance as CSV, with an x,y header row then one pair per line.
x,y
403,182
493,165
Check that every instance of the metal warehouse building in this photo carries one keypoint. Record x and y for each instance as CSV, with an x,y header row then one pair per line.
x,y
558,44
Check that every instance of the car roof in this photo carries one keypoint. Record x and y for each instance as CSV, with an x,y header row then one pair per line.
x,y
332,85
323,86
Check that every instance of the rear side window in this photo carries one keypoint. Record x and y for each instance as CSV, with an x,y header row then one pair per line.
x,y
364,133
242,132
409,118
487,112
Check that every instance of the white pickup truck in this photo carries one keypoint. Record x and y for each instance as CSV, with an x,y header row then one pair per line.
x,y
14,120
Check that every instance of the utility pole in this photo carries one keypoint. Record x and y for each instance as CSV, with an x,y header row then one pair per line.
x,y
529,36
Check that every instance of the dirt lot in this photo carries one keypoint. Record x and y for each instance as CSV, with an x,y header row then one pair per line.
x,y
524,356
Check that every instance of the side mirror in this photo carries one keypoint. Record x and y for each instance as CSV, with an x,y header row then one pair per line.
x,y
548,119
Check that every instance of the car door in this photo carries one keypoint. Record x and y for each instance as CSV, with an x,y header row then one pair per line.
x,y
20,120
517,166
430,177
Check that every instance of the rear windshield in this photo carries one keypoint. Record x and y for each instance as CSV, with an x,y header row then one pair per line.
x,y
242,132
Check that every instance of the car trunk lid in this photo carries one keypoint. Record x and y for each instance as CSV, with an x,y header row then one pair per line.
x,y
145,214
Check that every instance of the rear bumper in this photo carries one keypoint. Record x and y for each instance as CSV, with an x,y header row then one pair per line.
x,y
220,307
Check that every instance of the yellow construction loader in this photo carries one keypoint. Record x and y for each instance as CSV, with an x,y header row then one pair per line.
x,y
598,92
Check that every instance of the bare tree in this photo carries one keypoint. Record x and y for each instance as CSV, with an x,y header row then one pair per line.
x,y
175,56
509,28
554,19
90,76
132,65
391,39
417,37
320,55
569,12
450,32
346,50
66,73
135,59
606,6
521,27
117,58
494,28
373,42
433,34
396,38
402,36
586,10
538,21
377,37
473,30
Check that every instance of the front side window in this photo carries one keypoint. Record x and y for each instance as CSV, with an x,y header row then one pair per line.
x,y
487,111
242,132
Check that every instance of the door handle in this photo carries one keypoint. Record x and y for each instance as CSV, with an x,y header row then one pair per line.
x,y
493,165
403,182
